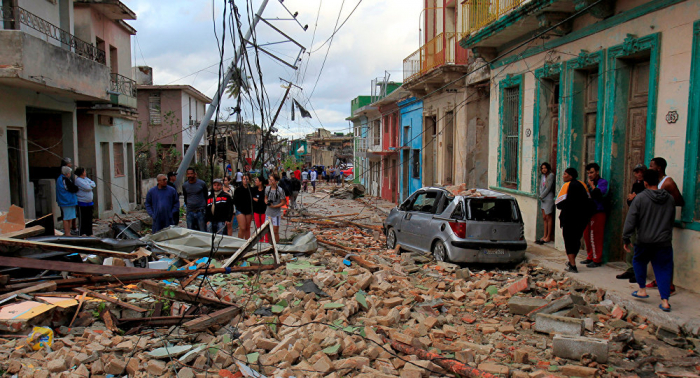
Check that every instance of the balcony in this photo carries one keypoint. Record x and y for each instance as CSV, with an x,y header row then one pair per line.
x,y
17,18
494,23
122,90
439,51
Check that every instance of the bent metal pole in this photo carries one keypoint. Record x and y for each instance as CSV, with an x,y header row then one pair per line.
x,y
189,154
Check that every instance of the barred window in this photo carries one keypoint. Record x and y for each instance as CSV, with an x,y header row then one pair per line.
x,y
154,109
415,163
118,159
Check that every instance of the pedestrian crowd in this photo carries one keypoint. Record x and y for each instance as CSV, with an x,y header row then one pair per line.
x,y
648,226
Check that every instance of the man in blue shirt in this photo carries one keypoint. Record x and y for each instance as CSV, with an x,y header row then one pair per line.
x,y
195,193
161,201
595,231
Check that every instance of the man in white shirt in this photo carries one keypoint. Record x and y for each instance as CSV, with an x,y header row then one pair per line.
x,y
239,178
313,176
305,179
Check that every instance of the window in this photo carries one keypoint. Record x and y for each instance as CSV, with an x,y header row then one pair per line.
x,y
113,59
510,131
415,163
386,124
406,135
425,202
154,109
377,131
493,210
118,159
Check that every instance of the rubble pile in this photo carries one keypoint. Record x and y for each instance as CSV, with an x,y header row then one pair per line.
x,y
351,308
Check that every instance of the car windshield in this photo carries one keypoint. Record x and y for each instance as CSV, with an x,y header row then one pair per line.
x,y
492,210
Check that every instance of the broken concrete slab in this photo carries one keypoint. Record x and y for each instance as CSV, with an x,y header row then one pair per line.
x,y
552,324
574,347
525,305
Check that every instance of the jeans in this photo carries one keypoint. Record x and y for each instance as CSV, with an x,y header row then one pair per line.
x,y
661,259
196,221
219,228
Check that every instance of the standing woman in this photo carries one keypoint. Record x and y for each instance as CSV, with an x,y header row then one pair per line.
x,y
85,202
259,204
574,202
242,202
547,201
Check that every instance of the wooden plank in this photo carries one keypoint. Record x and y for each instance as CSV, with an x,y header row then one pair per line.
x,y
51,285
46,221
110,299
21,262
208,320
179,294
5,242
164,321
360,261
349,249
26,233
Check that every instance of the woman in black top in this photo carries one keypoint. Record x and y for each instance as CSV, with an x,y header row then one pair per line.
x,y
259,205
242,200
574,202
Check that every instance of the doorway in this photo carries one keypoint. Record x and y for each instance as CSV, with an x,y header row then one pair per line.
x,y
448,152
547,113
430,151
15,166
106,176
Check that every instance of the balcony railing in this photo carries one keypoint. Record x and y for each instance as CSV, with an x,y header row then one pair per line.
x,y
361,144
14,17
441,50
478,13
123,85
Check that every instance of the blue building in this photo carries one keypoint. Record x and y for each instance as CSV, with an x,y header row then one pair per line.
x,y
411,141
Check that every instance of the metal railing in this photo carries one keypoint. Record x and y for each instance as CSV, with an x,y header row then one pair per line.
x,y
361,144
14,17
478,13
440,50
123,85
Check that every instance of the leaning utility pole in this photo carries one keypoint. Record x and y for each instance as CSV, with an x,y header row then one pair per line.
x,y
189,154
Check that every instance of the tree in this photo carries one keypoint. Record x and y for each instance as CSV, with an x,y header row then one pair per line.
x,y
238,82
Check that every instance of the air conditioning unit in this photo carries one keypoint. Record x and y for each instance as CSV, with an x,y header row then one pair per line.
x,y
192,122
105,120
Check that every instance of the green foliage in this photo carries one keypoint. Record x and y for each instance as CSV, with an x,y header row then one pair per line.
x,y
101,307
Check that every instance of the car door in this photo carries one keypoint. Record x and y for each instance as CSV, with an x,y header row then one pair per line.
x,y
398,217
415,225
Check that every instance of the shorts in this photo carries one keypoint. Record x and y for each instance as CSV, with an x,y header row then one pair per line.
x,y
69,212
275,221
313,183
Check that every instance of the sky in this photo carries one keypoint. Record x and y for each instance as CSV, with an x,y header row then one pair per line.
x,y
179,42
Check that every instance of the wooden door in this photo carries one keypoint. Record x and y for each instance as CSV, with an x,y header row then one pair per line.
x,y
635,136
590,122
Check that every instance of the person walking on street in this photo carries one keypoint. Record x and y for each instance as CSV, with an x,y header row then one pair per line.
x,y
259,204
161,201
574,205
652,214
274,196
305,180
67,199
312,177
286,185
296,188
637,187
172,177
547,202
219,205
195,193
666,183
239,178
85,201
243,204
595,231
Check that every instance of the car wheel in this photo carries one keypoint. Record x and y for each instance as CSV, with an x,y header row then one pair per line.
x,y
440,251
391,239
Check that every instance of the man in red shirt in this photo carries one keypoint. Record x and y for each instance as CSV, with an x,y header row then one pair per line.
x,y
297,174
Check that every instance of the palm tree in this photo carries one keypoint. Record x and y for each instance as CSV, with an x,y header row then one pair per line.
x,y
238,81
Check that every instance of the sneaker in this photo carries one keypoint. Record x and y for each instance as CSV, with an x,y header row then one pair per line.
x,y
571,268
652,284
586,262
593,264
625,275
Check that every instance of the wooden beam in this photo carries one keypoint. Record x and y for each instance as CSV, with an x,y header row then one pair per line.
x,y
63,266
5,242
208,320
359,260
349,249
109,299
26,233
179,294
51,285
164,321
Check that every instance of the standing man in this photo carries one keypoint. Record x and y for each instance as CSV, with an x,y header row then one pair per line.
x,y
172,177
67,199
161,201
297,174
666,183
296,187
652,214
313,175
195,194
305,180
85,201
637,187
239,178
594,233
275,198
219,208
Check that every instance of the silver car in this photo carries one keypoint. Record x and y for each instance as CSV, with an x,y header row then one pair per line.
x,y
485,227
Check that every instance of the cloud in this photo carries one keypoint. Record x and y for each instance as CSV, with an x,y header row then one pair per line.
x,y
178,40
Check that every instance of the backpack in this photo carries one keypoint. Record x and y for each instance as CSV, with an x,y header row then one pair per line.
x,y
296,185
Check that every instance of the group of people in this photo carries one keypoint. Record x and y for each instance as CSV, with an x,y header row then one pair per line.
x,y
75,198
648,227
214,210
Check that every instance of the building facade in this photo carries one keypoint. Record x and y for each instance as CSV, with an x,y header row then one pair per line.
x,y
614,83
67,92
411,141
329,149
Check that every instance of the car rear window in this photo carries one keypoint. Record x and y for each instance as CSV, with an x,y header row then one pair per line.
x,y
493,210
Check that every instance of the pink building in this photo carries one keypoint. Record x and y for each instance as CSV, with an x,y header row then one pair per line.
x,y
389,153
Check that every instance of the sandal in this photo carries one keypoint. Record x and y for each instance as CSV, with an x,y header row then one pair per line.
x,y
664,309
539,242
634,294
